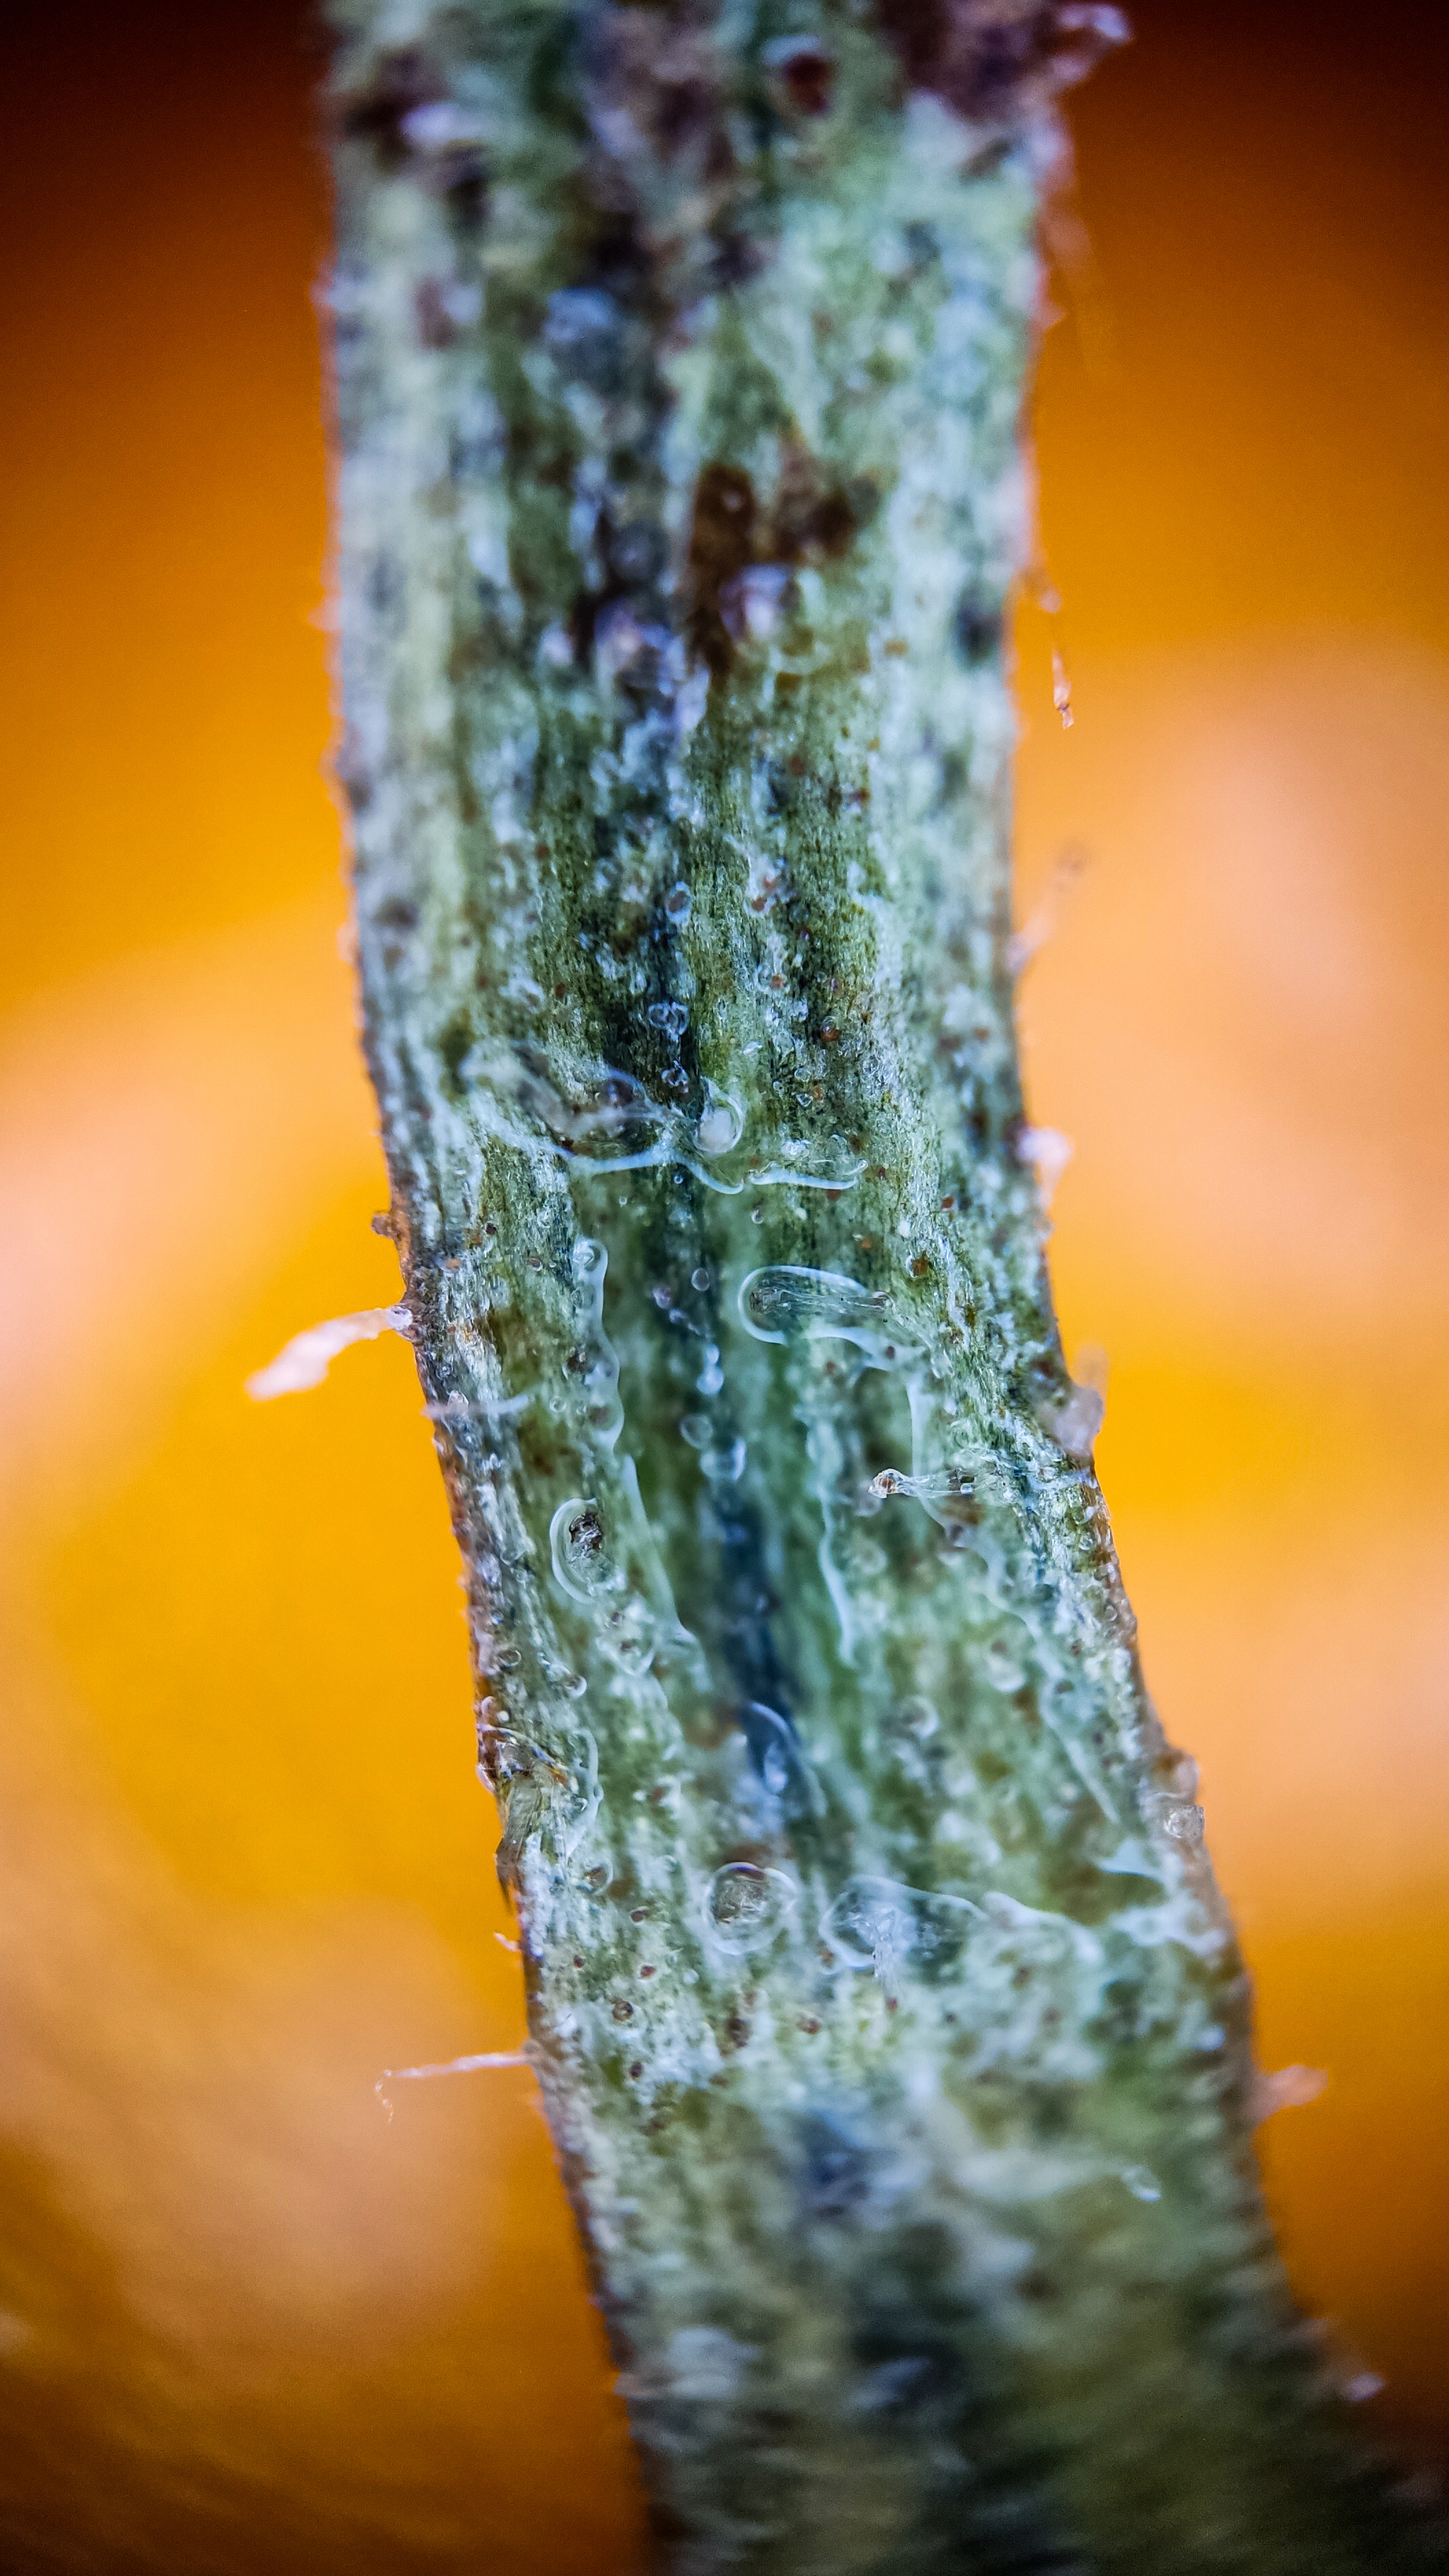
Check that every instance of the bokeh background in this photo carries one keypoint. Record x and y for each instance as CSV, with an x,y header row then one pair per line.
x,y
244,2321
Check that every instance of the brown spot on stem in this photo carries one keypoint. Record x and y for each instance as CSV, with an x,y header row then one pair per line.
x,y
805,73
998,62
809,521
721,545
402,82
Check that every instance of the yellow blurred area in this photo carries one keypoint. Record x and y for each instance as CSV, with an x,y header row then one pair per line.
x,y
245,2320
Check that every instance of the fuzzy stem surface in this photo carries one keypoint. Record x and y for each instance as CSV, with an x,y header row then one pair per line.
x,y
892,2033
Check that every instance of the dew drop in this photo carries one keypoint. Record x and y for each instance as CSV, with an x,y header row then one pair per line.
x,y
1002,1669
580,1552
878,1923
630,1636
1185,1824
572,1684
746,1908
786,1300
779,1759
722,1122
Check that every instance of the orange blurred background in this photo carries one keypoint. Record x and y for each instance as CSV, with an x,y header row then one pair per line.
x,y
244,2321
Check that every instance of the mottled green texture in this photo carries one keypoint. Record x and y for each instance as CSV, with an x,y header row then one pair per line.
x,y
890,2028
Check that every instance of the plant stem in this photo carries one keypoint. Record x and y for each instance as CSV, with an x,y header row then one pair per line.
x,y
892,2034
